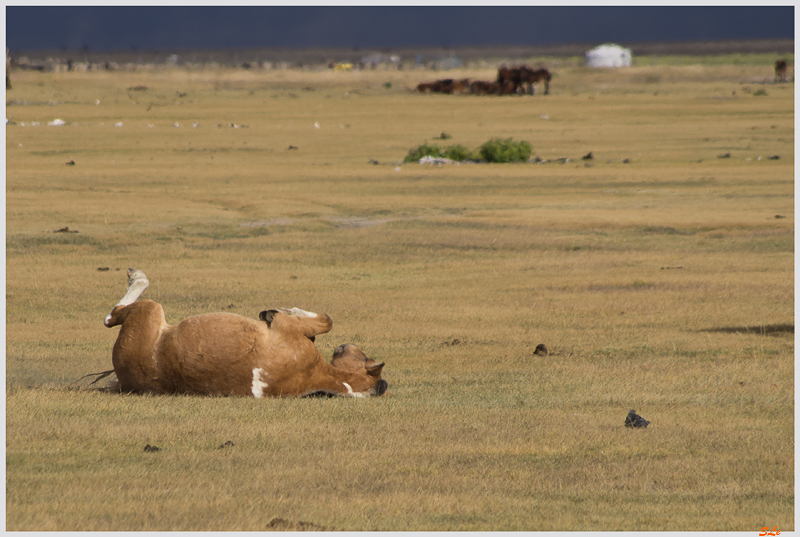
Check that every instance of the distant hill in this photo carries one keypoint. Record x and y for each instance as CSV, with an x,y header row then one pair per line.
x,y
313,56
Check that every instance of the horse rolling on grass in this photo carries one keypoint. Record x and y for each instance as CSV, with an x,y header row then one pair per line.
x,y
226,354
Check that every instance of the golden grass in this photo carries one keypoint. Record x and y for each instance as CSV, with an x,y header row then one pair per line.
x,y
664,284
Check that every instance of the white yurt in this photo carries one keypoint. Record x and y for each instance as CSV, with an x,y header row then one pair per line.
x,y
609,55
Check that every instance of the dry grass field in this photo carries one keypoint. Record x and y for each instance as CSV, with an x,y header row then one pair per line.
x,y
660,275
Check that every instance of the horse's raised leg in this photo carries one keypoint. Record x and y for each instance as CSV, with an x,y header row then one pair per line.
x,y
141,324
137,283
310,324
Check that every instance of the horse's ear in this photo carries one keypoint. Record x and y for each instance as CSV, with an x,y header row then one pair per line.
x,y
375,370
267,316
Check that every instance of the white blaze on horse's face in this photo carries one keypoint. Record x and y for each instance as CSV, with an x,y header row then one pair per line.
x,y
258,385
350,391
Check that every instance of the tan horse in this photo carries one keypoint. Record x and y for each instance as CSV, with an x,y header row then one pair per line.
x,y
229,354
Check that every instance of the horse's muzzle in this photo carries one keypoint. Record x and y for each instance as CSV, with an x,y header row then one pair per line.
x,y
380,388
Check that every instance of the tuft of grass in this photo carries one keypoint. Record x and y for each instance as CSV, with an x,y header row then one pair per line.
x,y
508,150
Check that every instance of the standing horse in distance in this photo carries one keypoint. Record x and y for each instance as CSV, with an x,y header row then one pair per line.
x,y
780,71
508,74
523,78
530,77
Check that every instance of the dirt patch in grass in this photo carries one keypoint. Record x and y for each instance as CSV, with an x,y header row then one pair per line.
x,y
764,330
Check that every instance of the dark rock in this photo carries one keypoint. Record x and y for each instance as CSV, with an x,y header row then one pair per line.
x,y
635,420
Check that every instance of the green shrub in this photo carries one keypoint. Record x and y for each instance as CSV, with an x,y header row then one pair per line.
x,y
425,150
497,150
459,153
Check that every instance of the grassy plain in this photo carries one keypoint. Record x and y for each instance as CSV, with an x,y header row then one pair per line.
x,y
659,275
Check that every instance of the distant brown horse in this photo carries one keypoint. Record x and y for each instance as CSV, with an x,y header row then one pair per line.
x,y
444,86
461,86
523,78
780,71
438,86
509,74
447,85
482,87
529,77
508,88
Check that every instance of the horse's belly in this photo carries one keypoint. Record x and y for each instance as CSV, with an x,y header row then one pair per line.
x,y
210,354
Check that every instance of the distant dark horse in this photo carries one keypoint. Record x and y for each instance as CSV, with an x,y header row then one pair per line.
x,y
8,70
506,74
523,78
439,86
461,86
530,77
447,85
780,71
480,87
